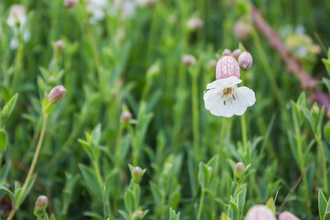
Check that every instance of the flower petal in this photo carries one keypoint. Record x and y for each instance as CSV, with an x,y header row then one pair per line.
x,y
215,104
228,82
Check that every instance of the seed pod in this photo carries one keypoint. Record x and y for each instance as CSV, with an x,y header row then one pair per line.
x,y
260,212
245,61
56,94
287,216
226,52
188,60
239,170
227,66
236,54
136,174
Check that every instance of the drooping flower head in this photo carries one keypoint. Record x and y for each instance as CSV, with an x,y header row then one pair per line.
x,y
223,97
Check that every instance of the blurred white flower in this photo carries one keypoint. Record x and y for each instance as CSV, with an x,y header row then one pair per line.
x,y
96,8
144,3
195,24
124,8
17,21
223,97
17,16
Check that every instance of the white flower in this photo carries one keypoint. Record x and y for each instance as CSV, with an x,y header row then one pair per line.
x,y
124,8
96,8
17,15
224,98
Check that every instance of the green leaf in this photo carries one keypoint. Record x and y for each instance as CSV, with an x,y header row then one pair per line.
x,y
96,134
241,47
203,175
29,185
156,194
124,214
4,170
326,216
224,217
3,141
241,201
130,201
9,193
6,111
322,204
93,215
270,204
234,212
91,181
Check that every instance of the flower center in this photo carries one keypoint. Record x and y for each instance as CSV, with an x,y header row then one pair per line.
x,y
228,93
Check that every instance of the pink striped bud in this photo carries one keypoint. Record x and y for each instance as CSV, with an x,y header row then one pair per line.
x,y
260,212
245,61
227,66
287,216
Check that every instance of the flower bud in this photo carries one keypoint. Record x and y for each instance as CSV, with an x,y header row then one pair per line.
x,y
126,116
195,24
188,60
227,66
260,212
241,30
137,174
59,45
315,109
226,52
236,54
144,3
239,170
41,202
287,216
210,170
56,94
70,3
138,213
212,64
245,61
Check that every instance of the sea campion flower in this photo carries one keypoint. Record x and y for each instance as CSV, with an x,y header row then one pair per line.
x,y
188,60
17,21
287,216
223,97
241,30
260,212
70,3
226,52
245,61
96,9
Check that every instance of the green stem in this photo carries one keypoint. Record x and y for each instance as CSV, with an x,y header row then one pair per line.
x,y
118,150
195,118
134,188
244,135
324,165
200,210
238,187
98,174
18,66
33,164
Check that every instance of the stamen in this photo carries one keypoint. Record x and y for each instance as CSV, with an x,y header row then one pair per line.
x,y
224,102
233,97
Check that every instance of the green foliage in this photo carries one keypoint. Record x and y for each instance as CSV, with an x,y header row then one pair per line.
x,y
133,63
